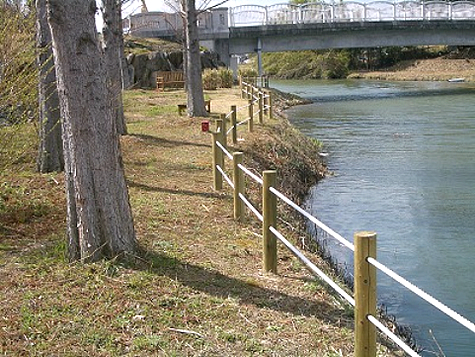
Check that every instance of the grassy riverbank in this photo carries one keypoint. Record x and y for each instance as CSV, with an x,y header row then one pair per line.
x,y
436,69
199,290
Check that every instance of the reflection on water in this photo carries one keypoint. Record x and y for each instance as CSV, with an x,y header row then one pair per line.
x,y
403,157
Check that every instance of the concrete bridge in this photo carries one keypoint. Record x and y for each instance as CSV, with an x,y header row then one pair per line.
x,y
346,24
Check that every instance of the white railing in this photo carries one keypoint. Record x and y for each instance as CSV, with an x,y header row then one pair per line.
x,y
350,11
364,248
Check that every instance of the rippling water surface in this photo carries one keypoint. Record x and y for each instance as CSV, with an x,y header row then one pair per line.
x,y
403,157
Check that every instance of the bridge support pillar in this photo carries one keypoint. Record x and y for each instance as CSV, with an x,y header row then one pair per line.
x,y
221,47
259,57
233,65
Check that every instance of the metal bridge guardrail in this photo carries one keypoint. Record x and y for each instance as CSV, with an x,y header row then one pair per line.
x,y
364,285
350,11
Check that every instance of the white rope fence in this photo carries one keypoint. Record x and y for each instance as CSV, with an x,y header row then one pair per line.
x,y
239,195
225,176
253,209
223,149
311,218
423,295
392,336
313,267
251,174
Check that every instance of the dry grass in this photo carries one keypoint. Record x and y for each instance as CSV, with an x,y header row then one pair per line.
x,y
436,69
198,290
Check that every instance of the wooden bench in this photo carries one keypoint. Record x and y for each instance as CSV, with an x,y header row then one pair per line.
x,y
182,107
170,79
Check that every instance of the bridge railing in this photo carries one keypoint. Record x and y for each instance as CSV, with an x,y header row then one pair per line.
x,y
350,11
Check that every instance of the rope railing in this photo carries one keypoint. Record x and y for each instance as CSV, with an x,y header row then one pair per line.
x,y
392,336
423,295
364,248
256,99
242,122
313,267
253,209
251,174
225,176
314,220
226,152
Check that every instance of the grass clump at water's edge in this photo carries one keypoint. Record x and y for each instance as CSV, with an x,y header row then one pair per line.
x,y
197,290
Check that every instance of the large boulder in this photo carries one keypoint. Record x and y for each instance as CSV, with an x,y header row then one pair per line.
x,y
142,68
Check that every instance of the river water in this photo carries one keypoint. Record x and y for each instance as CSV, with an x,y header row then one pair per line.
x,y
403,158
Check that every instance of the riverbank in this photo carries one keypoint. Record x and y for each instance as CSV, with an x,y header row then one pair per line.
x,y
436,69
199,289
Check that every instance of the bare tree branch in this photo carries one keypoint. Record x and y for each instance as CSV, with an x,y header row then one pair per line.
x,y
201,10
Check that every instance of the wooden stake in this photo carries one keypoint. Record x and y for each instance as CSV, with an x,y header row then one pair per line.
x,y
238,177
217,160
250,123
261,107
269,212
365,294
224,130
234,123
270,105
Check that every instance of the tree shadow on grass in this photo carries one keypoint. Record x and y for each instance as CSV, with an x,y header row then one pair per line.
x,y
153,140
147,188
216,284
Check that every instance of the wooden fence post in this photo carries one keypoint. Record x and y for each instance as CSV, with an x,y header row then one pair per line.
x,y
250,123
217,160
238,177
365,294
224,129
270,106
234,123
266,102
261,107
269,212
241,89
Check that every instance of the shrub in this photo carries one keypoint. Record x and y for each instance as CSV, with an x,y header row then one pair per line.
x,y
213,79
226,78
248,72
210,79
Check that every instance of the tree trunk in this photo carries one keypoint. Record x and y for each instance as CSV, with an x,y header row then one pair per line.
x,y
50,151
194,81
114,53
99,216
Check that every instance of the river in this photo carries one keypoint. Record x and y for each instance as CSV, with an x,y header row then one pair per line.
x,y
403,158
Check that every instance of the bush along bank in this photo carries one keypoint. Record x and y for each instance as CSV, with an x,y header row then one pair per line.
x,y
335,64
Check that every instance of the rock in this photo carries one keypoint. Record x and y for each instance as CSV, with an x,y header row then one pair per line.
x,y
142,68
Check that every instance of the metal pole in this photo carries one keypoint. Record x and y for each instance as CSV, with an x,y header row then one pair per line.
x,y
259,57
